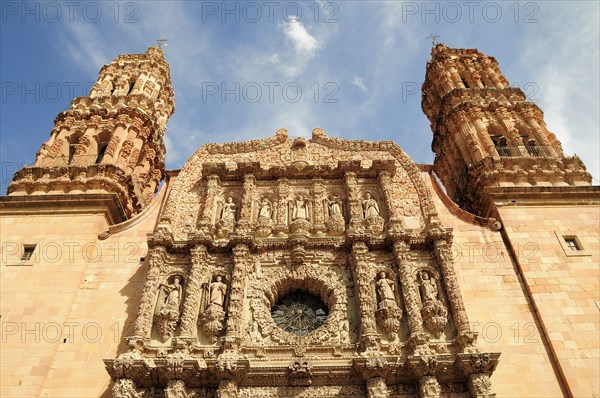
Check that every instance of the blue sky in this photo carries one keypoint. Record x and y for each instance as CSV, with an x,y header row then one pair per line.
x,y
242,70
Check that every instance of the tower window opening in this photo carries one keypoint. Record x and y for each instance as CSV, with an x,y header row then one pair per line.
x,y
464,82
131,85
101,151
72,148
27,252
572,243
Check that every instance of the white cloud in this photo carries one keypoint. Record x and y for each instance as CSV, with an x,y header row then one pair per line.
x,y
304,43
360,83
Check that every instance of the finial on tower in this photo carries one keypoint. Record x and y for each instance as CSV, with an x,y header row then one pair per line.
x,y
433,39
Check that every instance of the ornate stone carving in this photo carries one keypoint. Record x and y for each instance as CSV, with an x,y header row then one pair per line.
x,y
300,374
433,311
336,225
388,312
213,316
480,386
429,387
227,218
227,389
376,388
372,215
167,312
264,223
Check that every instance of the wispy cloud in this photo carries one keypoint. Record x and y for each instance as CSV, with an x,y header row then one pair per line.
x,y
359,82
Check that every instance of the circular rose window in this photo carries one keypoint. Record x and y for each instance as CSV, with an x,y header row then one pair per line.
x,y
299,313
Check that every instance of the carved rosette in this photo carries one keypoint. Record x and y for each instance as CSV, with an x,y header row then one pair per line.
x,y
435,316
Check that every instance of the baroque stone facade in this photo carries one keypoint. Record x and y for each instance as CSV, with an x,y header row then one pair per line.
x,y
323,267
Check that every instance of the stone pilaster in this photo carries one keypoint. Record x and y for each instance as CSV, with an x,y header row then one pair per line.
x,y
365,295
241,264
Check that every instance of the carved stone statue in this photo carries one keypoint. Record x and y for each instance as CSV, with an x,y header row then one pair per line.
x,y
385,288
300,208
335,223
370,207
265,209
217,292
167,312
388,313
433,311
428,287
212,318
228,211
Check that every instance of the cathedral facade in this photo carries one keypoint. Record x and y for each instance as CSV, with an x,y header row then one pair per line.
x,y
302,267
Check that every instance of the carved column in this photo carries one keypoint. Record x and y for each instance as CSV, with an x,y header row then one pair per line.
x,y
318,210
250,195
233,334
143,323
443,253
193,291
366,304
354,202
227,389
385,182
410,291
377,388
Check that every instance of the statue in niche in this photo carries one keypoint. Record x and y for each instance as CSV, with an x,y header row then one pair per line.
x,y
385,288
300,212
227,218
433,311
388,313
300,208
335,223
167,314
212,317
265,218
428,287
371,214
228,211
265,209
217,293
370,207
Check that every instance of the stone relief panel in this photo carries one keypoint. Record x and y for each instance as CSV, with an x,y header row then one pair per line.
x,y
351,391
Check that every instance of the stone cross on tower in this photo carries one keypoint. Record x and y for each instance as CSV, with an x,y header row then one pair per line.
x,y
433,39
161,42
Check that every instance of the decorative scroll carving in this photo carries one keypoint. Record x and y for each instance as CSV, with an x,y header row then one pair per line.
x,y
167,312
434,312
388,312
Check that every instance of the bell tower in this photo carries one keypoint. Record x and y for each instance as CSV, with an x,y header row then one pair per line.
x,y
486,136
111,141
